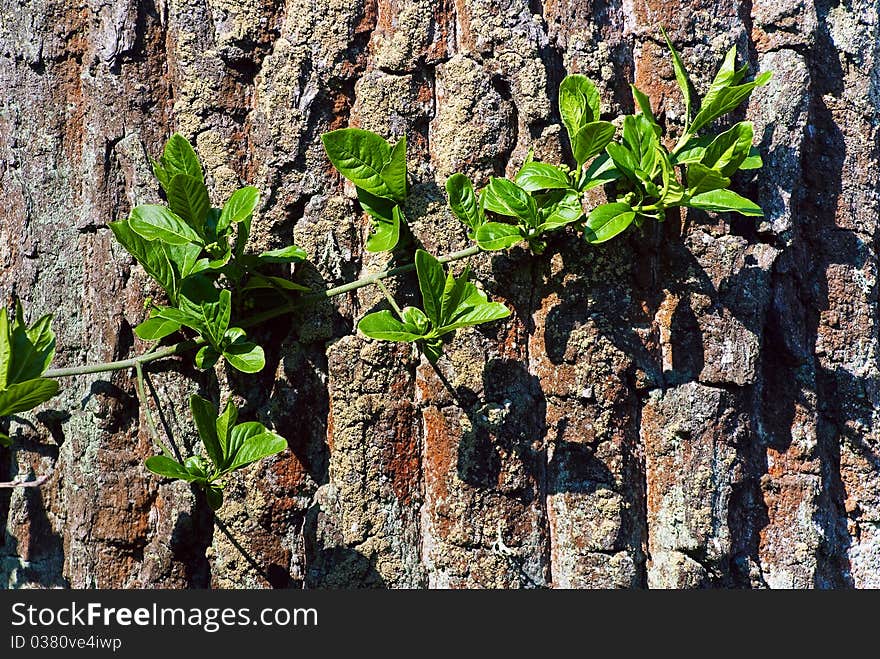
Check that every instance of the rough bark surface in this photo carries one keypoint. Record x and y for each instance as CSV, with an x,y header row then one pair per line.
x,y
696,407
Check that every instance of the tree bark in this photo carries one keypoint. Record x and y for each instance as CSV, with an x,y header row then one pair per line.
x,y
692,407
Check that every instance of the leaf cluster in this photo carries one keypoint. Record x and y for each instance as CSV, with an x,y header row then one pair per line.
x,y
448,303
197,254
25,354
229,446
378,171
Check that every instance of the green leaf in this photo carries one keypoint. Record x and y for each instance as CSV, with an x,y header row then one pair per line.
x,y
188,198
455,291
184,257
206,357
237,438
256,448
728,151
245,356
565,211
198,468
360,156
536,176
639,136
494,236
30,350
624,160
154,261
702,179
180,158
225,423
5,440
578,103
673,191
289,254
239,207
394,172
205,415
24,396
607,221
216,315
164,466
5,347
600,172
681,77
477,312
753,160
384,326
432,280
506,198
590,140
433,349
158,223
723,201
214,497
416,318
155,329
726,100
463,201
385,235
644,104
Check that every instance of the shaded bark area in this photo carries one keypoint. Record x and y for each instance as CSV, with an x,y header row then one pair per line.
x,y
692,407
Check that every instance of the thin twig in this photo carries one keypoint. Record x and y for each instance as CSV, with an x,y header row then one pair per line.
x,y
390,298
148,414
34,483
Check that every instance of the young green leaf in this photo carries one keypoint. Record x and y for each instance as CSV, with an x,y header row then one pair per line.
x,y
578,103
225,423
494,236
204,413
188,199
463,201
185,258
536,176
5,347
644,104
702,179
180,158
360,156
158,223
384,326
590,140
245,356
607,221
724,201
393,173
155,329
565,211
726,100
432,281
238,435
729,150
289,254
256,448
154,261
206,357
24,396
385,234
600,172
624,160
681,77
164,466
506,198
475,310
30,350
239,207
